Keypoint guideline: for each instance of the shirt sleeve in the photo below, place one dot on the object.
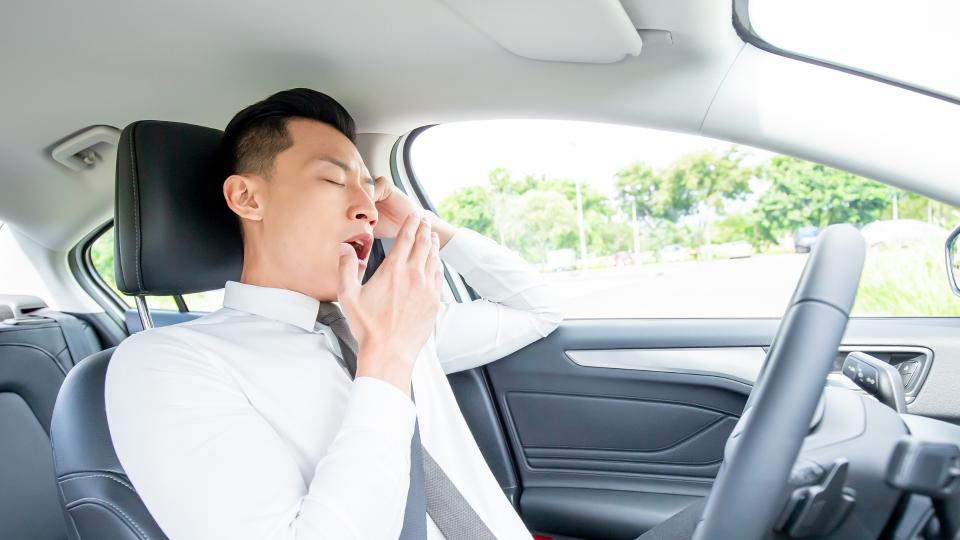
(166, 400)
(516, 307)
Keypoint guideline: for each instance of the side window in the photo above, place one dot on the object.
(18, 274)
(633, 222)
(101, 257)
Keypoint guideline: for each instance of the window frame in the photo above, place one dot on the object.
(401, 169)
(89, 279)
(81, 266)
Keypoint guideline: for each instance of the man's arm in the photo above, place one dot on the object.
(207, 464)
(516, 308)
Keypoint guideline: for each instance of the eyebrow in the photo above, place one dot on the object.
(342, 165)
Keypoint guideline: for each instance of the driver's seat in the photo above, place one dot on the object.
(174, 235)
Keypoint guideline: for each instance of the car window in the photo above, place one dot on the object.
(102, 257)
(836, 32)
(633, 222)
(18, 273)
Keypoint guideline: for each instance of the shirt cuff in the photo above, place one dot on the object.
(378, 405)
(465, 249)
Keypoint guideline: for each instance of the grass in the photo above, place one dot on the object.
(904, 282)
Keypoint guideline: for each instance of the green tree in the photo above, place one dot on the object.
(471, 207)
(644, 194)
(606, 235)
(640, 195)
(803, 193)
(699, 184)
(914, 206)
(601, 228)
(505, 190)
(535, 214)
(501, 181)
(737, 226)
(665, 233)
(703, 183)
(592, 200)
(538, 221)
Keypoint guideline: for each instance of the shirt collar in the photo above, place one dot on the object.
(281, 305)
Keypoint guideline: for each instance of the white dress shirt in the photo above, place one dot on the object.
(243, 425)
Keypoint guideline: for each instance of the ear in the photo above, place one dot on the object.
(244, 195)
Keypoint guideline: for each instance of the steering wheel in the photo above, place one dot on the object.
(750, 490)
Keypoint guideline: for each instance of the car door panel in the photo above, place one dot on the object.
(597, 513)
(472, 391)
(614, 438)
(586, 433)
(614, 425)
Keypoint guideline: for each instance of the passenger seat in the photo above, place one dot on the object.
(38, 346)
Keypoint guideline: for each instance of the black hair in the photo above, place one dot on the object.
(255, 136)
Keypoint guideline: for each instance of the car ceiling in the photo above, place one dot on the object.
(394, 65)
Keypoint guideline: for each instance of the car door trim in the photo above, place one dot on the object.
(741, 364)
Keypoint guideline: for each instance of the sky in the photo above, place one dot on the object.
(450, 156)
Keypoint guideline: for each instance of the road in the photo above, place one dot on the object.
(758, 286)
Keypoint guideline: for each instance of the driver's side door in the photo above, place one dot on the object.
(607, 427)
(618, 419)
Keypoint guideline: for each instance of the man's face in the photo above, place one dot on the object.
(319, 195)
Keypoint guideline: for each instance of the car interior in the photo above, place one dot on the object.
(815, 424)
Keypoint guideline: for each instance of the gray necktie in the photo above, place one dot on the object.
(431, 491)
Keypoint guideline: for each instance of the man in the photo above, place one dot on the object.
(257, 421)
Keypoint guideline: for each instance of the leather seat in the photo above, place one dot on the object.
(175, 235)
(38, 347)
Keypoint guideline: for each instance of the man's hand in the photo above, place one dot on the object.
(393, 206)
(393, 314)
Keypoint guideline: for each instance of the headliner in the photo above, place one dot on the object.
(394, 65)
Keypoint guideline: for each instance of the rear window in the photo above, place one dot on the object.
(102, 258)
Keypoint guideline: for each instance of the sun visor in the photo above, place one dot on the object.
(595, 31)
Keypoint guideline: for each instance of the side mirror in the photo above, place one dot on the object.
(953, 261)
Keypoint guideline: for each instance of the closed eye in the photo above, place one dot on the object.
(334, 182)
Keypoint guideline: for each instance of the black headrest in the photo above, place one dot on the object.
(174, 232)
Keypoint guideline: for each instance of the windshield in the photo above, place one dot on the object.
(914, 43)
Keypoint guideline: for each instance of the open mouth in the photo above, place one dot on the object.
(362, 244)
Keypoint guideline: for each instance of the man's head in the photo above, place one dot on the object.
(300, 189)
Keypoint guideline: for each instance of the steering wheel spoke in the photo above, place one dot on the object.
(751, 490)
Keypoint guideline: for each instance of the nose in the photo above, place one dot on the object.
(362, 207)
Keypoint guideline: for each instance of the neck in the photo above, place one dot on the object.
(257, 270)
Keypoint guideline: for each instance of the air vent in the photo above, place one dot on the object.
(85, 149)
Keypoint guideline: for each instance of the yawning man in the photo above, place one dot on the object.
(285, 415)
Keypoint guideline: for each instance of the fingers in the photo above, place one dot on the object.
(435, 256)
(381, 188)
(422, 245)
(400, 250)
(349, 273)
